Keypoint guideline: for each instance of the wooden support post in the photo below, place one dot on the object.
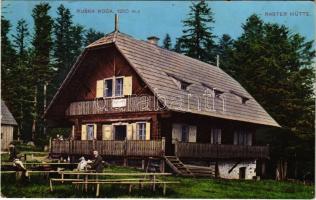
(86, 184)
(162, 166)
(154, 185)
(50, 145)
(98, 190)
(62, 177)
(143, 164)
(163, 146)
(164, 188)
(125, 152)
(130, 188)
(51, 185)
(176, 148)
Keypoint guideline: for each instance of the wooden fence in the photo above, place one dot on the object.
(125, 148)
(101, 106)
(221, 151)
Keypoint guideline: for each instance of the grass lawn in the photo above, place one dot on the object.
(188, 188)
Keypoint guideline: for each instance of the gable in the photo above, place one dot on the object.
(80, 84)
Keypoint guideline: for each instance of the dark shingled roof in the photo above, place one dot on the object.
(155, 64)
(6, 116)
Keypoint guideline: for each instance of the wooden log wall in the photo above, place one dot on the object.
(222, 151)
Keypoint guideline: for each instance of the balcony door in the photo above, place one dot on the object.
(119, 132)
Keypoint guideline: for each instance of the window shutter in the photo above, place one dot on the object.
(176, 132)
(192, 134)
(129, 133)
(107, 132)
(249, 139)
(235, 138)
(135, 134)
(100, 88)
(95, 131)
(83, 132)
(147, 131)
(212, 136)
(219, 135)
(127, 85)
(73, 132)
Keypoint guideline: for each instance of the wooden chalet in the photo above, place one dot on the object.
(131, 98)
(8, 124)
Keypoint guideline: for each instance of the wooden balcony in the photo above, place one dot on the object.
(220, 151)
(102, 106)
(125, 148)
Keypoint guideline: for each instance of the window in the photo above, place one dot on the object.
(113, 87)
(242, 138)
(119, 87)
(185, 133)
(216, 136)
(90, 131)
(141, 131)
(108, 87)
(241, 97)
(216, 91)
(183, 85)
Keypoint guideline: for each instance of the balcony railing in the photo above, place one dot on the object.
(221, 151)
(156, 148)
(101, 106)
(126, 148)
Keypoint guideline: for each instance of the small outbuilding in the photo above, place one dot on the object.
(7, 126)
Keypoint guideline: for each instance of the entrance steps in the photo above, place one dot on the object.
(177, 166)
(189, 170)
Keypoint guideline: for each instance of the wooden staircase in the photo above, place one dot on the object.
(177, 166)
(201, 170)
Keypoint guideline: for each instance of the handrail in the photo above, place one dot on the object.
(155, 148)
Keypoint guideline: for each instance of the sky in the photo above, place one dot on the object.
(141, 19)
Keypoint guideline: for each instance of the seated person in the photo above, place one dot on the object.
(82, 165)
(97, 165)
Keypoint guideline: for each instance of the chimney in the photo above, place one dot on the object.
(153, 40)
(116, 23)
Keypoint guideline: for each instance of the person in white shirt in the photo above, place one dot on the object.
(82, 164)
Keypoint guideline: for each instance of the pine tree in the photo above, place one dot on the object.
(20, 39)
(77, 37)
(224, 50)
(91, 36)
(7, 62)
(198, 39)
(42, 68)
(167, 42)
(62, 44)
(275, 66)
(23, 79)
(177, 47)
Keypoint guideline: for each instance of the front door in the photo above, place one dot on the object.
(242, 172)
(119, 132)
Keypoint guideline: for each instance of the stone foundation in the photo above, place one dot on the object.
(225, 166)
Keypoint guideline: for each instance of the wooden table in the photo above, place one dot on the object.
(152, 180)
